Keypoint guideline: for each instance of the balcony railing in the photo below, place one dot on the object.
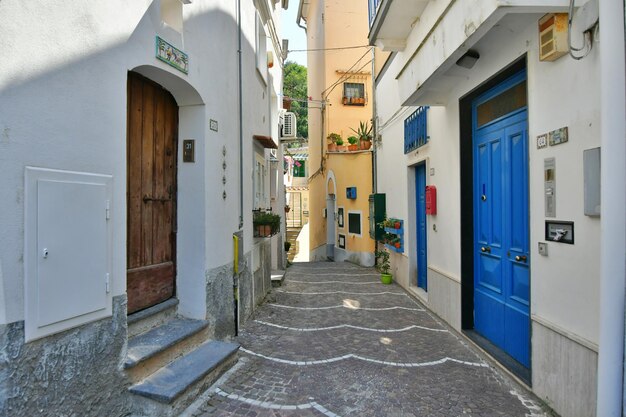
(416, 129)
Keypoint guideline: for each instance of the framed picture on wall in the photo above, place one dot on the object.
(340, 216)
(342, 241)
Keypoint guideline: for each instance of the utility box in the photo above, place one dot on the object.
(377, 215)
(553, 36)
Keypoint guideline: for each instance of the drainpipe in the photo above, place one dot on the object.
(374, 124)
(239, 53)
(613, 206)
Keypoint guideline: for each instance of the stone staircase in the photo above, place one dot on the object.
(170, 360)
(292, 235)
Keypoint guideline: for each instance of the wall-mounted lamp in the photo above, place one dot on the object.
(468, 60)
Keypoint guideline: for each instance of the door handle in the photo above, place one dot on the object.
(485, 249)
(521, 258)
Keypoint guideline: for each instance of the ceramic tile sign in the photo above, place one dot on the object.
(558, 136)
(172, 55)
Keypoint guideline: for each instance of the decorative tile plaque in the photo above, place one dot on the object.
(171, 55)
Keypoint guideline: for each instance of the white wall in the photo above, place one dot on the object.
(63, 106)
(564, 285)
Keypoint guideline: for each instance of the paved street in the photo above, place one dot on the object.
(334, 341)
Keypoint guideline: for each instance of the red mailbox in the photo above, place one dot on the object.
(431, 199)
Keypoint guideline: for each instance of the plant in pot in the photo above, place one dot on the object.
(353, 143)
(340, 146)
(383, 266)
(332, 141)
(287, 246)
(265, 224)
(364, 133)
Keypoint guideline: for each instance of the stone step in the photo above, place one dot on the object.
(155, 348)
(152, 317)
(278, 275)
(171, 389)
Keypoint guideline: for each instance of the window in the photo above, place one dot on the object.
(354, 223)
(354, 94)
(415, 129)
(299, 171)
(261, 48)
(260, 197)
(172, 14)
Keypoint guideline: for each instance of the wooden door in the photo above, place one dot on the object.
(151, 193)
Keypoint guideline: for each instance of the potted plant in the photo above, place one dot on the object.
(383, 266)
(287, 246)
(344, 100)
(364, 133)
(353, 143)
(396, 224)
(332, 141)
(265, 224)
(287, 209)
(340, 146)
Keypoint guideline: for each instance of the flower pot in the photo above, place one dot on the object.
(397, 245)
(342, 148)
(332, 147)
(396, 225)
(353, 148)
(267, 230)
(345, 100)
(365, 144)
(287, 208)
(386, 279)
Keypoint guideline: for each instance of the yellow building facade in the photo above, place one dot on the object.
(340, 87)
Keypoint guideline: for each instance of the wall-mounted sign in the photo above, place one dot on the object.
(189, 150)
(171, 55)
(542, 141)
(213, 125)
(558, 136)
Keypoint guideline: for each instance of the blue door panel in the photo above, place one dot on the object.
(490, 277)
(420, 196)
(487, 306)
(517, 335)
(501, 230)
(495, 195)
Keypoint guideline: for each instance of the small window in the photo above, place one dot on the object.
(172, 14)
(261, 48)
(354, 223)
(354, 94)
(299, 171)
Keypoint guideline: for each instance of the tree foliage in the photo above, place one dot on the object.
(295, 87)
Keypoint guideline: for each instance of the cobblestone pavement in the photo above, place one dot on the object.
(334, 341)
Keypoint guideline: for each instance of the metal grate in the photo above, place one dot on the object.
(415, 129)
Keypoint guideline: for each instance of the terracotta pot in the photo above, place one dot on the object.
(353, 148)
(345, 100)
(267, 230)
(397, 245)
(332, 147)
(342, 148)
(396, 225)
(365, 144)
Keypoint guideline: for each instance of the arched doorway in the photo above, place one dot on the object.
(152, 138)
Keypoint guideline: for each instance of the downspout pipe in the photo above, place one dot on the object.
(374, 124)
(240, 71)
(610, 401)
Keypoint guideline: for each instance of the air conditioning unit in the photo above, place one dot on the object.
(289, 126)
(553, 36)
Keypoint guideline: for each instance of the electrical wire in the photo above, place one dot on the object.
(347, 73)
(339, 48)
(588, 41)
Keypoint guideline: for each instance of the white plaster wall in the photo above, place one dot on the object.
(564, 286)
(63, 105)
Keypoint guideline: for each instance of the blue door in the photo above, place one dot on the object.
(501, 230)
(420, 197)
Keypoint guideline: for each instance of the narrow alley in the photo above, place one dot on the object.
(334, 341)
